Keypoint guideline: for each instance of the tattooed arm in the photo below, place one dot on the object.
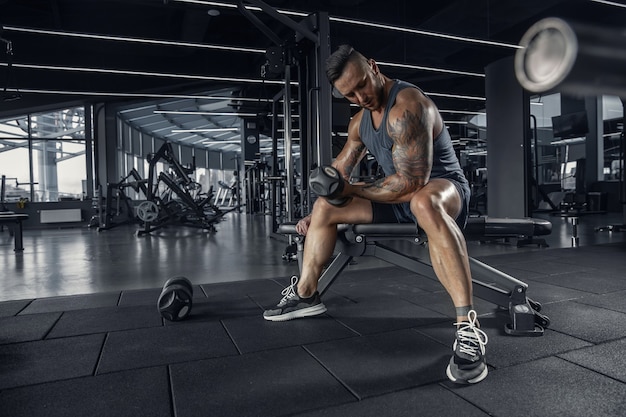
(411, 124)
(353, 151)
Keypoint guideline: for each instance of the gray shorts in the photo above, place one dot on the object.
(401, 213)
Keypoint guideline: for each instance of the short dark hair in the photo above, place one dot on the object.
(337, 61)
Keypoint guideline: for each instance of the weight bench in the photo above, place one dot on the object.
(15, 219)
(490, 284)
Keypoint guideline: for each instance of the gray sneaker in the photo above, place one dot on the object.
(468, 365)
(292, 306)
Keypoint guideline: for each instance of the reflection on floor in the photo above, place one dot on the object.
(380, 350)
(81, 260)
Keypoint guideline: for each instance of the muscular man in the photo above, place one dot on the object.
(423, 183)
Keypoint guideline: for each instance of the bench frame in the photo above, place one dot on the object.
(16, 220)
(489, 283)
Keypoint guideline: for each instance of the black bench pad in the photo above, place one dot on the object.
(477, 228)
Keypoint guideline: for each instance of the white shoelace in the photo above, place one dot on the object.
(471, 337)
(290, 291)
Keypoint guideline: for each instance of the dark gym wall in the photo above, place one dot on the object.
(508, 139)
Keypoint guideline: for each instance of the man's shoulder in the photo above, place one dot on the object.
(410, 99)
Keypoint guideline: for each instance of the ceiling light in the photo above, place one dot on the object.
(137, 95)
(422, 32)
(364, 23)
(132, 40)
(610, 3)
(206, 113)
(456, 96)
(207, 130)
(462, 112)
(209, 142)
(419, 67)
(147, 73)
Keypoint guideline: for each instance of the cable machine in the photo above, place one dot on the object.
(299, 60)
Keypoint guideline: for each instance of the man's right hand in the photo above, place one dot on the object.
(303, 225)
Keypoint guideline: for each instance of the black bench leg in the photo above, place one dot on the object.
(525, 317)
(19, 244)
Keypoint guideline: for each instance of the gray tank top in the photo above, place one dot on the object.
(378, 142)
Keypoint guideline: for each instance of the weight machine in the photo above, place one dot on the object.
(175, 198)
(302, 57)
(116, 209)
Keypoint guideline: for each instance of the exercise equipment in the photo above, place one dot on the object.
(116, 208)
(174, 198)
(573, 58)
(490, 284)
(176, 299)
(326, 182)
(576, 59)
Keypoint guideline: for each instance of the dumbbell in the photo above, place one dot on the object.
(326, 182)
(176, 299)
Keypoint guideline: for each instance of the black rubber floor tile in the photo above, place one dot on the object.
(428, 401)
(216, 309)
(377, 364)
(422, 282)
(549, 387)
(151, 296)
(593, 281)
(382, 314)
(350, 275)
(506, 350)
(101, 320)
(11, 308)
(442, 303)
(239, 288)
(612, 301)
(521, 274)
(543, 292)
(164, 345)
(516, 257)
(252, 334)
(590, 323)
(384, 286)
(140, 297)
(599, 260)
(272, 383)
(550, 267)
(606, 358)
(48, 360)
(72, 302)
(26, 328)
(125, 394)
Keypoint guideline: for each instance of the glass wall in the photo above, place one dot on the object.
(43, 156)
(613, 127)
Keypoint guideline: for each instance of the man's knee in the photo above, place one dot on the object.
(427, 208)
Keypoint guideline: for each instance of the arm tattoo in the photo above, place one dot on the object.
(411, 153)
(353, 158)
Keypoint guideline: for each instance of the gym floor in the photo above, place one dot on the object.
(80, 334)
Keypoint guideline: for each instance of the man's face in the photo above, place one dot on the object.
(360, 85)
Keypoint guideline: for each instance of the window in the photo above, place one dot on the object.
(613, 124)
(48, 162)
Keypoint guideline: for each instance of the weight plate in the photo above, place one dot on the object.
(147, 211)
(179, 280)
(175, 302)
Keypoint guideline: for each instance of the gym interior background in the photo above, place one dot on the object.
(147, 139)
